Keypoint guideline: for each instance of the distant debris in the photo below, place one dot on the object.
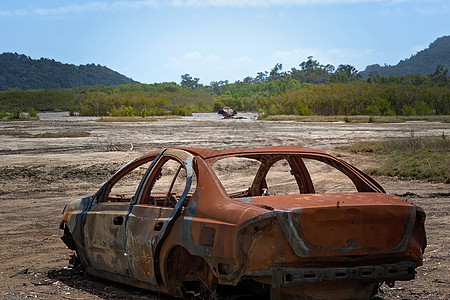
(227, 112)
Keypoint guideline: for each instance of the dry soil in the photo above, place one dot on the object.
(38, 176)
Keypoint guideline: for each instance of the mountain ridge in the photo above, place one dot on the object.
(423, 62)
(23, 72)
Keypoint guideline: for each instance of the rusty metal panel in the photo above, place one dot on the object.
(144, 223)
(281, 245)
(104, 238)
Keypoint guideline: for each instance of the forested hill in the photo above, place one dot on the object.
(424, 62)
(23, 72)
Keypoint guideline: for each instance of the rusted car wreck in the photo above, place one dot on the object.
(195, 222)
(227, 112)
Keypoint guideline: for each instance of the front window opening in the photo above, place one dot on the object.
(327, 179)
(236, 174)
(280, 180)
(124, 189)
(170, 184)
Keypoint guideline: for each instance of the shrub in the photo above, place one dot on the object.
(15, 114)
(127, 111)
(380, 107)
(218, 105)
(115, 112)
(422, 109)
(408, 110)
(301, 109)
(158, 112)
(32, 113)
(180, 111)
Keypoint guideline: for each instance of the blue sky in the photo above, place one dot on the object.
(158, 41)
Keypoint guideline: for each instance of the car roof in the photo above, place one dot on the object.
(211, 153)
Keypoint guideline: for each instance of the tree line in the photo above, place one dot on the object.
(359, 98)
(312, 88)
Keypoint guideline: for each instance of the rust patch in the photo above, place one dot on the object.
(201, 240)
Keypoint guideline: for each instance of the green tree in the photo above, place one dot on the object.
(276, 73)
(310, 65)
(261, 77)
(188, 81)
(348, 70)
(408, 110)
(439, 77)
(345, 73)
(380, 107)
(422, 109)
(311, 71)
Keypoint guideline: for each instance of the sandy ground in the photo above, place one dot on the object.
(39, 176)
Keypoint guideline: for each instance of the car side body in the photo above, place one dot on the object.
(196, 237)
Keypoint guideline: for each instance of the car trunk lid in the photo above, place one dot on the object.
(343, 224)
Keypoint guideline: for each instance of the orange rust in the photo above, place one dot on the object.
(286, 244)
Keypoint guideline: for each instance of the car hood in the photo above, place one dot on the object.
(342, 223)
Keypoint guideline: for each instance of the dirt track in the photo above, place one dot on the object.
(39, 176)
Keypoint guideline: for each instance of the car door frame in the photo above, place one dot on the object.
(186, 159)
(104, 226)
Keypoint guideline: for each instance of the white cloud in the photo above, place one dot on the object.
(62, 10)
(103, 6)
(193, 60)
(193, 56)
(435, 10)
(134, 4)
(265, 3)
(95, 6)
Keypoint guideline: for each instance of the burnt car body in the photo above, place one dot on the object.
(227, 112)
(176, 228)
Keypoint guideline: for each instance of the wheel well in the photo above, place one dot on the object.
(183, 269)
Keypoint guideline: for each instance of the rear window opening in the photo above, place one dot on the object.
(280, 180)
(327, 179)
(279, 175)
(236, 174)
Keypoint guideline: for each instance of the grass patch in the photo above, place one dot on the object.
(18, 134)
(408, 158)
(63, 134)
(311, 118)
(356, 119)
(136, 119)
